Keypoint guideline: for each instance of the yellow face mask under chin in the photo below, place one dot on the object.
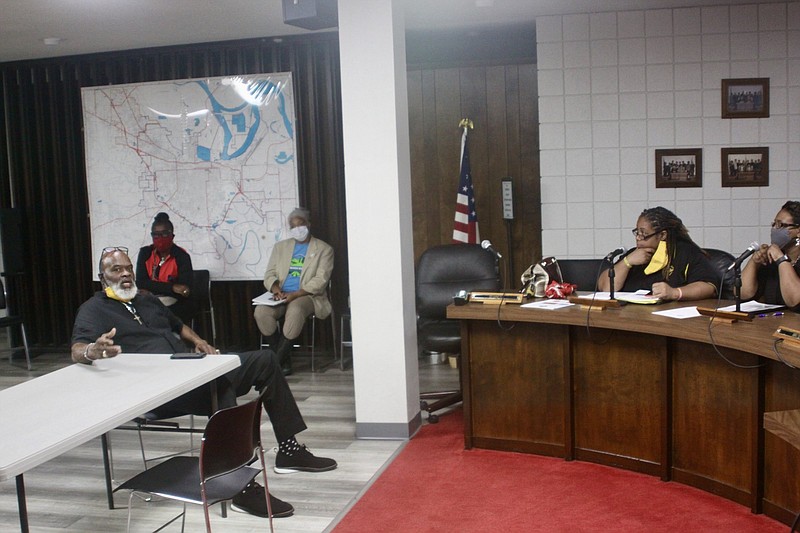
(113, 295)
(659, 259)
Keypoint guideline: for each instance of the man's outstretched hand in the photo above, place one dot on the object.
(104, 346)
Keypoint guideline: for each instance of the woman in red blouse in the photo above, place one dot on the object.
(165, 270)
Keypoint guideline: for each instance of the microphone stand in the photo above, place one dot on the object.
(737, 287)
(611, 274)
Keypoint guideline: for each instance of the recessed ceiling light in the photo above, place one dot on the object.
(52, 41)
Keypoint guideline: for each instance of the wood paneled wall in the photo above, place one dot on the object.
(501, 101)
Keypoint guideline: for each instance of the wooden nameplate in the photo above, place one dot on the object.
(599, 305)
(790, 337)
(496, 298)
(726, 317)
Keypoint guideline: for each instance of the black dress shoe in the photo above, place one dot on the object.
(251, 500)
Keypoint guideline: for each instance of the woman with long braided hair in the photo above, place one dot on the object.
(665, 261)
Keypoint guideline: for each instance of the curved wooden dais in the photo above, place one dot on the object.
(683, 400)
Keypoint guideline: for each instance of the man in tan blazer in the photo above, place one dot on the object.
(298, 274)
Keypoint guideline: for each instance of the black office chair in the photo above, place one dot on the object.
(721, 260)
(11, 321)
(231, 442)
(580, 272)
(443, 271)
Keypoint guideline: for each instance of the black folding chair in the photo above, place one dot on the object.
(231, 442)
(11, 321)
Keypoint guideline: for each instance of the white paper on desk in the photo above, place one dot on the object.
(680, 312)
(553, 303)
(641, 296)
(752, 307)
(267, 299)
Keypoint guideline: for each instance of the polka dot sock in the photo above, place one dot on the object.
(289, 446)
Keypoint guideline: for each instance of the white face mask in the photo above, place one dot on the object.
(299, 233)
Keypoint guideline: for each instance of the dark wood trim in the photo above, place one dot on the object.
(666, 413)
(466, 387)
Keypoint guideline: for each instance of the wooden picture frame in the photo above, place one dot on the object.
(745, 98)
(679, 167)
(745, 167)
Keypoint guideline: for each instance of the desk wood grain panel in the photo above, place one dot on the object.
(522, 370)
(619, 388)
(781, 459)
(715, 421)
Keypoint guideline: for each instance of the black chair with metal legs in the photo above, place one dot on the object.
(162, 421)
(157, 421)
(443, 271)
(345, 334)
(201, 292)
(264, 342)
(11, 321)
(231, 442)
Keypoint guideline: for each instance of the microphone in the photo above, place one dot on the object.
(486, 245)
(611, 255)
(754, 246)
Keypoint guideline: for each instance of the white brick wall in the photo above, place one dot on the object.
(614, 87)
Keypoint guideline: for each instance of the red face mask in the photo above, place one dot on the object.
(163, 244)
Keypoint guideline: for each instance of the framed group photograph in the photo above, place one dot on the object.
(679, 167)
(745, 98)
(745, 167)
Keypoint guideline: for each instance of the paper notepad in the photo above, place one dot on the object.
(548, 304)
(267, 299)
(642, 296)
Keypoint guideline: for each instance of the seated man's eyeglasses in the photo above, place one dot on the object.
(166, 233)
(641, 236)
(112, 249)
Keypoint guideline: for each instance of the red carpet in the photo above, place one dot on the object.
(436, 485)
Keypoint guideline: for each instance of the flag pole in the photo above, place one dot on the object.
(467, 125)
(465, 228)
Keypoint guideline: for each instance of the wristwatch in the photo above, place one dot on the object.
(781, 259)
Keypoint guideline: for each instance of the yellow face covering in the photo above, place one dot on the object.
(113, 295)
(659, 259)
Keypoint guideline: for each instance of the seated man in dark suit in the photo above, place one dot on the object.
(118, 319)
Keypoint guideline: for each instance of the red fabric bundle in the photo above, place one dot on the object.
(558, 290)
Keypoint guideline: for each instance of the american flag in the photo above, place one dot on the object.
(465, 228)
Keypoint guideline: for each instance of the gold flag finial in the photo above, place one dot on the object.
(466, 123)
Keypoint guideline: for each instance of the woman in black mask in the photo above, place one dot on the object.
(165, 270)
(772, 275)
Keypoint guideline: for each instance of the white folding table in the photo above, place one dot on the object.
(47, 416)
